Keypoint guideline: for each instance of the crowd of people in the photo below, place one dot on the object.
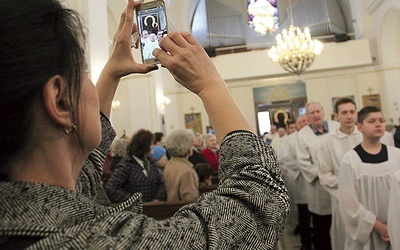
(339, 174)
(171, 169)
(150, 40)
(334, 211)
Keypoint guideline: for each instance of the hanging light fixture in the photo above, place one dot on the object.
(262, 16)
(295, 51)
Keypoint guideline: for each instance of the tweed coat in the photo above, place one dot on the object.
(247, 211)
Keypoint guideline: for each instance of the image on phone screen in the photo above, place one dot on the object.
(152, 24)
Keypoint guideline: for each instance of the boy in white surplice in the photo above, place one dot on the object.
(364, 184)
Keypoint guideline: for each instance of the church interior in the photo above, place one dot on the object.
(360, 59)
(305, 56)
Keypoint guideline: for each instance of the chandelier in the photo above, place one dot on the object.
(295, 51)
(262, 16)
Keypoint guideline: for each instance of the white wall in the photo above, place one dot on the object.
(257, 64)
(244, 71)
(320, 86)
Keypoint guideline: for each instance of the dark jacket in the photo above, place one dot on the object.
(128, 178)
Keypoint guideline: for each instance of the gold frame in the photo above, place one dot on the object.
(193, 121)
(372, 100)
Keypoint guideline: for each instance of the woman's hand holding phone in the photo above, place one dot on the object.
(188, 62)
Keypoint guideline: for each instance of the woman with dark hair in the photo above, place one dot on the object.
(55, 135)
(159, 139)
(136, 172)
(204, 171)
(141, 144)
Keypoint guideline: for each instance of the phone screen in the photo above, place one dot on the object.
(152, 25)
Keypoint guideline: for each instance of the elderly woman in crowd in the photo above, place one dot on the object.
(211, 151)
(181, 180)
(118, 150)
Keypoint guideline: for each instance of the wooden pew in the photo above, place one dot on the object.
(160, 210)
(205, 189)
(163, 209)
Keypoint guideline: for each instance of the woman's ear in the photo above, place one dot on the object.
(56, 101)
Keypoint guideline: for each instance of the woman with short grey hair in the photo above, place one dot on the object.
(180, 178)
(179, 142)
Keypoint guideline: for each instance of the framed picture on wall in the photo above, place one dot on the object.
(371, 100)
(193, 121)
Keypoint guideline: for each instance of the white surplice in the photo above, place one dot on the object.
(330, 156)
(364, 196)
(296, 181)
(277, 141)
(284, 157)
(394, 212)
(318, 199)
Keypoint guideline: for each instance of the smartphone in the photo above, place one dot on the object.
(152, 26)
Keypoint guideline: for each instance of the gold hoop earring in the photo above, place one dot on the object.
(71, 131)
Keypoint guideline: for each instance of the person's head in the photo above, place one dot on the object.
(141, 144)
(159, 156)
(204, 171)
(153, 37)
(346, 114)
(211, 141)
(145, 33)
(45, 94)
(281, 132)
(302, 121)
(315, 113)
(371, 122)
(119, 146)
(179, 143)
(159, 139)
(198, 140)
(272, 130)
(291, 127)
(160, 34)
